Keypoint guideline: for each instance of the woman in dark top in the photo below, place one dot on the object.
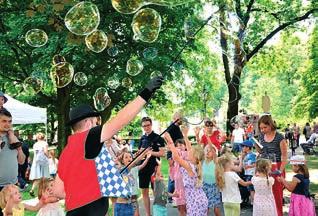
(274, 148)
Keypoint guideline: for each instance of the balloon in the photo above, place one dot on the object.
(58, 59)
(36, 37)
(62, 74)
(82, 19)
(80, 79)
(134, 67)
(150, 53)
(101, 99)
(33, 85)
(96, 41)
(127, 6)
(112, 51)
(146, 25)
(126, 82)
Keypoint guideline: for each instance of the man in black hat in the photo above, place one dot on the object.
(78, 179)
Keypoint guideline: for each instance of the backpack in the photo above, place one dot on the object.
(41, 158)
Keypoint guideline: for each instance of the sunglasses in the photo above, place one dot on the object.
(209, 125)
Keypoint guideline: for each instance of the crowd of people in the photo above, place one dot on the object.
(203, 177)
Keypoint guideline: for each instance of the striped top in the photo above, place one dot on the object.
(272, 148)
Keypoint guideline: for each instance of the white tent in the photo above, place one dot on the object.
(24, 113)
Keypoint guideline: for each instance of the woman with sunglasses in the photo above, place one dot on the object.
(211, 135)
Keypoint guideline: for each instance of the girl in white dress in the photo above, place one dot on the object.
(264, 202)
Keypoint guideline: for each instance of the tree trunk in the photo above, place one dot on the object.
(63, 108)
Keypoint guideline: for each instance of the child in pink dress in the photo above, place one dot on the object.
(264, 202)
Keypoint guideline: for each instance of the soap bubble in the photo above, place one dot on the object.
(177, 66)
(101, 99)
(92, 66)
(150, 53)
(126, 82)
(113, 82)
(58, 59)
(82, 19)
(127, 6)
(134, 67)
(146, 25)
(36, 37)
(96, 41)
(32, 85)
(155, 74)
(80, 79)
(62, 74)
(112, 51)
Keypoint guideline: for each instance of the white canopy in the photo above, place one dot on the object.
(24, 113)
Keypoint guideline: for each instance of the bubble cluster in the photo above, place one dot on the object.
(80, 79)
(57, 59)
(96, 41)
(36, 37)
(83, 18)
(112, 51)
(146, 25)
(101, 99)
(134, 67)
(113, 82)
(155, 74)
(126, 82)
(33, 85)
(62, 74)
(150, 53)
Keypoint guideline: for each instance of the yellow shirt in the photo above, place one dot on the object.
(19, 211)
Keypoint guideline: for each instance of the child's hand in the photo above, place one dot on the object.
(197, 130)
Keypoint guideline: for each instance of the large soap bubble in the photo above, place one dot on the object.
(127, 6)
(134, 67)
(32, 85)
(36, 37)
(62, 74)
(101, 99)
(146, 25)
(126, 82)
(80, 79)
(96, 41)
(82, 19)
(150, 53)
(113, 82)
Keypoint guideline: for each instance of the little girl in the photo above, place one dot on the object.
(53, 162)
(209, 185)
(191, 169)
(264, 202)
(51, 206)
(10, 202)
(227, 180)
(300, 202)
(129, 206)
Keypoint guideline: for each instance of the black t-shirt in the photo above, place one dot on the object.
(175, 133)
(155, 141)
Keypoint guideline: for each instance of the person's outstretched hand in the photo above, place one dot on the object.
(154, 83)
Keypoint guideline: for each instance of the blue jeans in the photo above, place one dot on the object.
(124, 209)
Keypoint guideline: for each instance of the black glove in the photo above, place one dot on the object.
(15, 145)
(151, 87)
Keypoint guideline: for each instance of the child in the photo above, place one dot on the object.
(50, 202)
(227, 181)
(160, 195)
(178, 194)
(191, 169)
(53, 162)
(249, 161)
(129, 206)
(209, 186)
(264, 202)
(10, 202)
(300, 202)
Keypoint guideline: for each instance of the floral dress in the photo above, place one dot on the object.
(196, 200)
(264, 202)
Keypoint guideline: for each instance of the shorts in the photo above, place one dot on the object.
(213, 194)
(96, 208)
(144, 180)
(249, 178)
(159, 210)
(124, 209)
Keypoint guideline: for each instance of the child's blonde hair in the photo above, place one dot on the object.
(43, 186)
(5, 194)
(263, 166)
(219, 171)
(198, 154)
(52, 155)
(209, 147)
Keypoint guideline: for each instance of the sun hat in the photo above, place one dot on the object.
(297, 159)
(81, 112)
(2, 95)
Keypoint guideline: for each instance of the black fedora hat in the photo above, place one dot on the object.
(2, 95)
(81, 112)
